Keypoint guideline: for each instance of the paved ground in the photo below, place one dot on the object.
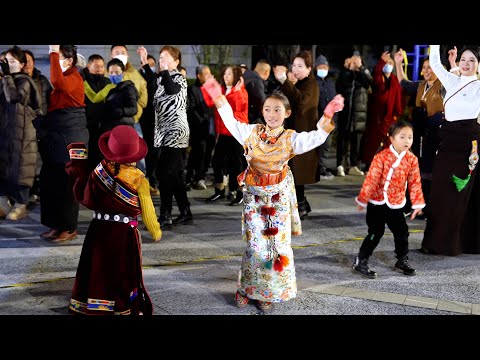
(194, 269)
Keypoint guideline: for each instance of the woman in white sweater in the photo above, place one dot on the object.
(452, 221)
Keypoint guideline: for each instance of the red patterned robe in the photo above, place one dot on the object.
(109, 277)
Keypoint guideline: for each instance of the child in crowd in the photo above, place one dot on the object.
(270, 211)
(383, 194)
(109, 276)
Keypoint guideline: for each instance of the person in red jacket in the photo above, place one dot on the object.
(228, 153)
(383, 194)
(64, 123)
(384, 108)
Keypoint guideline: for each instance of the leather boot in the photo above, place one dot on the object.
(238, 199)
(185, 216)
(303, 208)
(404, 267)
(165, 219)
(361, 266)
(219, 194)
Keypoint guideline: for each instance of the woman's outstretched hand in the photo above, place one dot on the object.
(213, 88)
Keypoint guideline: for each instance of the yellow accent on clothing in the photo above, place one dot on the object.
(268, 158)
(149, 216)
(99, 96)
(129, 174)
(135, 179)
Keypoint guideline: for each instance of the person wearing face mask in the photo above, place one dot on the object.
(121, 101)
(326, 87)
(64, 123)
(96, 87)
(20, 104)
(385, 106)
(130, 73)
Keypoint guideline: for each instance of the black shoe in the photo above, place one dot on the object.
(238, 199)
(361, 266)
(219, 194)
(304, 208)
(402, 266)
(185, 217)
(165, 220)
(302, 213)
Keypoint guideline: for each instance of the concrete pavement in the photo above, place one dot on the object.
(194, 269)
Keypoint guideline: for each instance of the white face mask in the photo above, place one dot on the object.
(387, 69)
(61, 65)
(322, 73)
(122, 58)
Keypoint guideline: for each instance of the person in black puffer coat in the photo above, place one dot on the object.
(121, 101)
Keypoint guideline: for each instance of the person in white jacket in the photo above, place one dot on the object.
(453, 215)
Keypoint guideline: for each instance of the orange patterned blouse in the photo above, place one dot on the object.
(387, 179)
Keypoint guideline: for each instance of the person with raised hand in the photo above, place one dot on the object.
(64, 123)
(454, 215)
(270, 211)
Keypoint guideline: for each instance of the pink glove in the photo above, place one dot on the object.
(335, 105)
(213, 88)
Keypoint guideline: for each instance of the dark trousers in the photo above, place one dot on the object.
(171, 175)
(147, 122)
(322, 153)
(453, 217)
(20, 193)
(151, 160)
(196, 168)
(300, 192)
(228, 155)
(209, 151)
(377, 217)
(58, 207)
(344, 139)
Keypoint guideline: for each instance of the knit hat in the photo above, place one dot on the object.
(321, 60)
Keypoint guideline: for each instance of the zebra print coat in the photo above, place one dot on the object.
(170, 103)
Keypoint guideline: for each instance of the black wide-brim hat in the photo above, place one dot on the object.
(122, 145)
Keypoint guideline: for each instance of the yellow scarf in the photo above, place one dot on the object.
(97, 97)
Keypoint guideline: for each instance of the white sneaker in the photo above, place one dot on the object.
(18, 212)
(340, 171)
(200, 185)
(327, 176)
(354, 170)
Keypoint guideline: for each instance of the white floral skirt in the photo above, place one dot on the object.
(270, 217)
